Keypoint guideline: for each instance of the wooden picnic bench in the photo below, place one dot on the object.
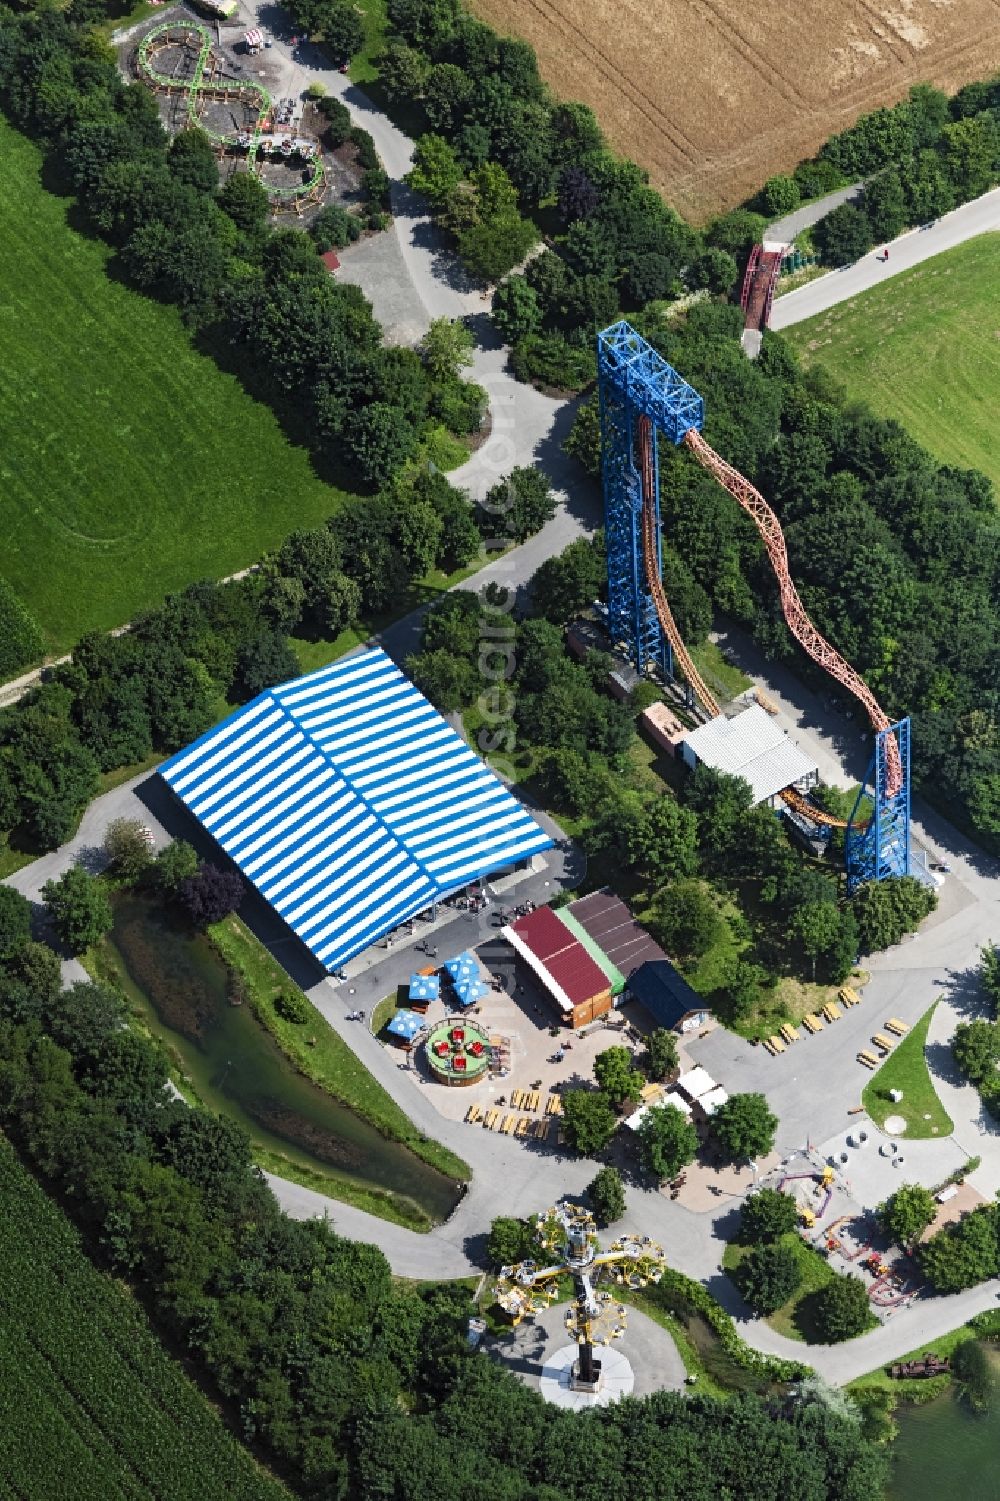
(832, 1011)
(812, 1023)
(868, 1059)
(789, 1033)
(490, 1119)
(895, 1025)
(849, 997)
(473, 1114)
(881, 1041)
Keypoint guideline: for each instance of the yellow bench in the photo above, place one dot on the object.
(812, 1022)
(849, 997)
(881, 1041)
(490, 1119)
(521, 1129)
(553, 1105)
(765, 1042)
(541, 1130)
(789, 1033)
(473, 1114)
(531, 1103)
(509, 1122)
(895, 1025)
(868, 1059)
(832, 1011)
(776, 1043)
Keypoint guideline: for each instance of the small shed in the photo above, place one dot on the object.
(662, 726)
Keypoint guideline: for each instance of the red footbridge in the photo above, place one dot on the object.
(759, 282)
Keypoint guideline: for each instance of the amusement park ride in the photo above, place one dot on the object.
(595, 1317)
(641, 399)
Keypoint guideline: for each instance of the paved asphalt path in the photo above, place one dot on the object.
(975, 218)
(783, 231)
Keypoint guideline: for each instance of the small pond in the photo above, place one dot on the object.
(177, 981)
(945, 1449)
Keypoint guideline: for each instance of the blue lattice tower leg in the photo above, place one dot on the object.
(881, 847)
(634, 382)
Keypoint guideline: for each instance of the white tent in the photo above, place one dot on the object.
(696, 1082)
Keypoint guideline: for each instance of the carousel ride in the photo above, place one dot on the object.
(596, 1316)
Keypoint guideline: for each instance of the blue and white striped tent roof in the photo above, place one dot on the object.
(349, 803)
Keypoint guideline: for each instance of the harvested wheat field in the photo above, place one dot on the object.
(714, 96)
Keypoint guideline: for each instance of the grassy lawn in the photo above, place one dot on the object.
(363, 67)
(923, 348)
(796, 1318)
(131, 463)
(727, 680)
(319, 1053)
(906, 1069)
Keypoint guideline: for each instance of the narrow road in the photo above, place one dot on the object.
(976, 218)
(783, 231)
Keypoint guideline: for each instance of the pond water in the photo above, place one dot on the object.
(179, 984)
(944, 1449)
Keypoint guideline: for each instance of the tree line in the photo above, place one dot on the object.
(920, 158)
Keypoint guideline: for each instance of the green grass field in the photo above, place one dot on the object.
(906, 1069)
(924, 348)
(91, 1405)
(130, 464)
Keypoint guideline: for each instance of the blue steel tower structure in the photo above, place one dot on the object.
(636, 383)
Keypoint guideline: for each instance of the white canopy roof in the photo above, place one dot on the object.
(751, 746)
(672, 1098)
(710, 1102)
(696, 1082)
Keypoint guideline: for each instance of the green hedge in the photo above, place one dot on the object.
(682, 1294)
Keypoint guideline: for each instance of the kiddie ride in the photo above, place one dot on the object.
(822, 1183)
(641, 399)
(595, 1317)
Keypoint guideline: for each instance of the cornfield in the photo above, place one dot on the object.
(91, 1405)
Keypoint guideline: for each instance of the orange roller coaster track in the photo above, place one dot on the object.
(816, 646)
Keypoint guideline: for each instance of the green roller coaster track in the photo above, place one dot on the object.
(253, 95)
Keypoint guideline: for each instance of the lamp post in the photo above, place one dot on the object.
(595, 1317)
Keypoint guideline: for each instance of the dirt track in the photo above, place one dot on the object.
(713, 96)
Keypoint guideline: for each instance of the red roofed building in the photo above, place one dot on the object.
(557, 958)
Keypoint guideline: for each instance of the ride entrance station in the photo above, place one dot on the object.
(643, 400)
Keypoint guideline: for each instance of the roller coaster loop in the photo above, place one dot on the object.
(253, 95)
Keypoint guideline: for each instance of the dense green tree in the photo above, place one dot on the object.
(567, 584)
(377, 440)
(174, 863)
(714, 270)
(780, 195)
(906, 1213)
(589, 1122)
(337, 21)
(661, 1056)
(516, 311)
(436, 170)
(449, 682)
(885, 911)
(884, 205)
(79, 908)
(15, 922)
(976, 1049)
(607, 1196)
(128, 848)
(446, 348)
(244, 198)
(619, 1079)
(265, 659)
(333, 227)
(496, 245)
(744, 1126)
(844, 235)
(767, 1215)
(510, 1240)
(963, 1254)
(519, 505)
(841, 1309)
(686, 919)
(769, 1276)
(193, 161)
(667, 1141)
